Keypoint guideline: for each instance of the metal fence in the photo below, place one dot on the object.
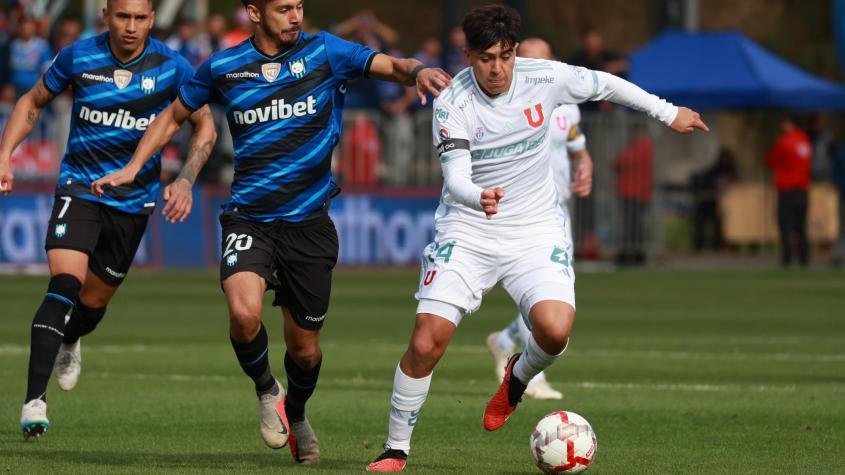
(617, 220)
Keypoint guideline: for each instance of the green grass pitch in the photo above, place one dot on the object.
(714, 372)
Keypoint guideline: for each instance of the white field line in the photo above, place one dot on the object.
(385, 383)
(12, 350)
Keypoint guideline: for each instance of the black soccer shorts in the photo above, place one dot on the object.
(110, 237)
(295, 259)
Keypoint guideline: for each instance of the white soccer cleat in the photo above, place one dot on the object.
(542, 390)
(68, 365)
(34, 421)
(500, 356)
(274, 422)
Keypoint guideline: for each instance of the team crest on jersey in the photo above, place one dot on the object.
(122, 78)
(271, 71)
(479, 133)
(297, 67)
(441, 114)
(232, 259)
(529, 114)
(61, 230)
(443, 134)
(148, 84)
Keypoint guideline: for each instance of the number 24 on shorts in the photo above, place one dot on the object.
(444, 250)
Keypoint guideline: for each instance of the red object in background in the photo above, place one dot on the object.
(360, 153)
(789, 159)
(633, 170)
(36, 160)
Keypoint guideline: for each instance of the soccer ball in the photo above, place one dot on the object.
(563, 442)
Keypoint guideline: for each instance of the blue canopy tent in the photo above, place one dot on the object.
(726, 70)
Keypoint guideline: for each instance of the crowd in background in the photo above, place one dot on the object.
(387, 131)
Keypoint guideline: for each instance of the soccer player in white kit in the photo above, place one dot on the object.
(499, 219)
(568, 145)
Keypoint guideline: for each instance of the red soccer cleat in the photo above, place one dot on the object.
(391, 461)
(499, 408)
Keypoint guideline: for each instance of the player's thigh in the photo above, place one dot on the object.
(458, 272)
(72, 235)
(246, 265)
(120, 237)
(539, 268)
(305, 259)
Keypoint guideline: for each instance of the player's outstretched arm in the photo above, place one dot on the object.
(410, 72)
(163, 128)
(178, 194)
(21, 122)
(615, 89)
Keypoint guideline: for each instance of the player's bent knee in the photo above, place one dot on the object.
(305, 356)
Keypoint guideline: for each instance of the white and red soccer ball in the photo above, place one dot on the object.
(563, 442)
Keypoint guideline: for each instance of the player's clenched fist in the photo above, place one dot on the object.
(490, 200)
(7, 178)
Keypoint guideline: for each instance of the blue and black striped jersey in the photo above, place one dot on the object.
(113, 104)
(284, 113)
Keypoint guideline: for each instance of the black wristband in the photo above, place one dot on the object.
(416, 71)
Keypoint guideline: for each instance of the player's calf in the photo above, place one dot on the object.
(48, 331)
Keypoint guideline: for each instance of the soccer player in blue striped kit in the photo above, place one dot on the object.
(121, 81)
(283, 91)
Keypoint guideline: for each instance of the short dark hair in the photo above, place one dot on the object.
(490, 25)
(257, 3)
(110, 2)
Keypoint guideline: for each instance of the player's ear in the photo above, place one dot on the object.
(152, 19)
(254, 13)
(466, 55)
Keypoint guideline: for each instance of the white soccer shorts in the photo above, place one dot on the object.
(463, 266)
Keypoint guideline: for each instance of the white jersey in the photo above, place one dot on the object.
(565, 138)
(507, 135)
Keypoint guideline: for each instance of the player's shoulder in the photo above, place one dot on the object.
(233, 56)
(458, 91)
(533, 64)
(91, 44)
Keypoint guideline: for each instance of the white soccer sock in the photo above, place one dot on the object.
(408, 397)
(533, 361)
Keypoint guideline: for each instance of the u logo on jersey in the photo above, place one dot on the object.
(122, 78)
(270, 71)
(530, 116)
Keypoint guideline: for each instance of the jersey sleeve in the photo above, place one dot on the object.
(59, 74)
(575, 84)
(197, 92)
(348, 60)
(450, 130)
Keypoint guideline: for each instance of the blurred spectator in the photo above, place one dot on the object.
(184, 41)
(707, 185)
(29, 57)
(789, 159)
(66, 32)
(454, 57)
(99, 27)
(837, 174)
(5, 45)
(214, 37)
(364, 28)
(633, 188)
(243, 29)
(594, 56)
